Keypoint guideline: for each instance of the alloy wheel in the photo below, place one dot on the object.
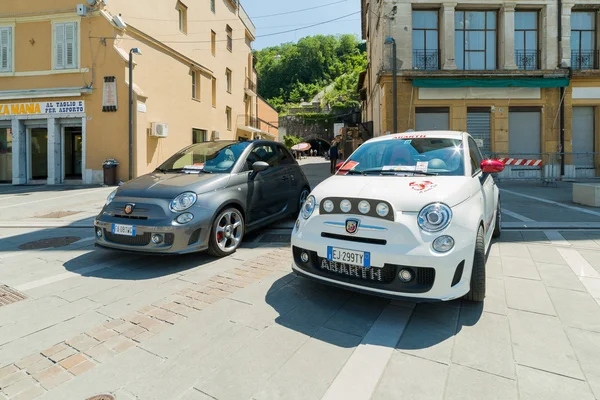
(229, 230)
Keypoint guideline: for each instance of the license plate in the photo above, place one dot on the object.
(124, 230)
(351, 257)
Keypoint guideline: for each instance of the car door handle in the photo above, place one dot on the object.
(284, 178)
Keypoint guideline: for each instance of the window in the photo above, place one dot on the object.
(228, 117)
(264, 152)
(425, 40)
(475, 155)
(526, 40)
(214, 92)
(285, 156)
(199, 135)
(228, 79)
(475, 40)
(212, 5)
(583, 40)
(65, 45)
(217, 157)
(6, 45)
(229, 38)
(213, 43)
(195, 85)
(182, 13)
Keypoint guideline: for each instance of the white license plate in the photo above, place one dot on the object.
(124, 230)
(350, 257)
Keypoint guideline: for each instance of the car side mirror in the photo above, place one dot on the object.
(258, 166)
(492, 166)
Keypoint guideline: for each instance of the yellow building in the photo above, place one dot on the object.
(499, 71)
(64, 84)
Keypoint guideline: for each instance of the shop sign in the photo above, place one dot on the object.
(109, 96)
(43, 108)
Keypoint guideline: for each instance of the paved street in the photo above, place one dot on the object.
(194, 327)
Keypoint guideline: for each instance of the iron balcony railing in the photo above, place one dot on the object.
(527, 59)
(584, 59)
(251, 85)
(248, 120)
(426, 59)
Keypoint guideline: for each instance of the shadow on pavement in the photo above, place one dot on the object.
(27, 190)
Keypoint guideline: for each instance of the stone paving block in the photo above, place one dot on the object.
(166, 316)
(483, 343)
(430, 332)
(134, 331)
(26, 362)
(19, 387)
(195, 394)
(513, 250)
(578, 263)
(357, 315)
(81, 368)
(535, 237)
(102, 334)
(13, 378)
(29, 394)
(320, 359)
(8, 370)
(528, 295)
(55, 349)
(118, 325)
(545, 254)
(252, 365)
(559, 276)
(520, 268)
(82, 342)
(72, 361)
(592, 257)
(493, 268)
(592, 285)
(25, 309)
(57, 357)
(142, 337)
(494, 250)
(466, 383)
(256, 293)
(539, 341)
(587, 347)
(495, 298)
(420, 379)
(576, 309)
(100, 353)
(39, 366)
(535, 384)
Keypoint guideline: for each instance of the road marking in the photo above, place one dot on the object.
(50, 198)
(360, 375)
(517, 216)
(556, 238)
(583, 210)
(578, 264)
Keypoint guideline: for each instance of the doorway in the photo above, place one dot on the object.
(73, 152)
(38, 147)
(5, 155)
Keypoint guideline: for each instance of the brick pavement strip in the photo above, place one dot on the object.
(40, 372)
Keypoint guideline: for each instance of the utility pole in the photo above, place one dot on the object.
(131, 53)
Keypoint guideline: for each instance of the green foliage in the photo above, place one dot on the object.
(290, 73)
(291, 141)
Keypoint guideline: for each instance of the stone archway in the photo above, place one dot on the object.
(321, 145)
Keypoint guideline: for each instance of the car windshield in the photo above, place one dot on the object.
(207, 157)
(427, 156)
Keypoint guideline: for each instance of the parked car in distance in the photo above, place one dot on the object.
(205, 197)
(406, 216)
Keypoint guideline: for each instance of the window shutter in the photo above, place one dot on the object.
(5, 49)
(71, 45)
(59, 46)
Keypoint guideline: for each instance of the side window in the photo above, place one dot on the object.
(286, 157)
(266, 153)
(475, 155)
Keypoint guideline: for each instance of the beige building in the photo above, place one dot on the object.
(521, 77)
(64, 84)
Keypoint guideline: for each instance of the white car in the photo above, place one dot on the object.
(406, 216)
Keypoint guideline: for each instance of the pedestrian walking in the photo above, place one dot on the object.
(333, 157)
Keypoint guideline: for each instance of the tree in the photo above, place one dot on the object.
(291, 141)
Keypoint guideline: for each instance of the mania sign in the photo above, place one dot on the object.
(43, 108)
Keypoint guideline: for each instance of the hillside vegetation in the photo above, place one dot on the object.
(292, 72)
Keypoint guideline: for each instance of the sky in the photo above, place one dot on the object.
(260, 12)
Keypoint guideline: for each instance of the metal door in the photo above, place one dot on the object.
(432, 120)
(524, 132)
(583, 136)
(479, 126)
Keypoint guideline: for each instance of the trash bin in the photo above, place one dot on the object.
(109, 168)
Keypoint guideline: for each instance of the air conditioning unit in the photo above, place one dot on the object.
(81, 10)
(159, 130)
(215, 135)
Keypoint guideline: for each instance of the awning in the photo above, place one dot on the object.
(490, 82)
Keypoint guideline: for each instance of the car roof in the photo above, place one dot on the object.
(422, 134)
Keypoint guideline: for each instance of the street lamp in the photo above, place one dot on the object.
(133, 51)
(392, 41)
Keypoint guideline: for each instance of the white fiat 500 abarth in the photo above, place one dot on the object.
(406, 216)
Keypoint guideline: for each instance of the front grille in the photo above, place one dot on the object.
(123, 216)
(169, 239)
(373, 274)
(425, 276)
(140, 240)
(353, 238)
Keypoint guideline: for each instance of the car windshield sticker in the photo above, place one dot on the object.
(422, 186)
(193, 169)
(421, 166)
(349, 166)
(411, 137)
(399, 168)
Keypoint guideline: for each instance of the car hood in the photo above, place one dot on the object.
(169, 185)
(404, 193)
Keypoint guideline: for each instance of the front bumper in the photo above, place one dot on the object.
(153, 218)
(393, 246)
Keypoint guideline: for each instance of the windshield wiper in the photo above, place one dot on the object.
(423, 173)
(373, 171)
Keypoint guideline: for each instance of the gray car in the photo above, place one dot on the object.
(205, 197)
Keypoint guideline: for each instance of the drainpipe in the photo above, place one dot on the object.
(561, 95)
(392, 41)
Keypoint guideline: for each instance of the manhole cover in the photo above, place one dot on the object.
(58, 214)
(9, 296)
(49, 243)
(275, 238)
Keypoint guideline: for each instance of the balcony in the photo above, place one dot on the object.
(426, 59)
(250, 87)
(252, 127)
(247, 21)
(527, 60)
(584, 59)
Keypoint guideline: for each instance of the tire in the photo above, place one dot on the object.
(498, 228)
(226, 233)
(304, 193)
(477, 292)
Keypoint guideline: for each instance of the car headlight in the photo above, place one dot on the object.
(328, 206)
(345, 206)
(308, 207)
(382, 209)
(183, 201)
(111, 197)
(364, 207)
(434, 217)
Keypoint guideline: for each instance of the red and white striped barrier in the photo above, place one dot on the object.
(522, 162)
